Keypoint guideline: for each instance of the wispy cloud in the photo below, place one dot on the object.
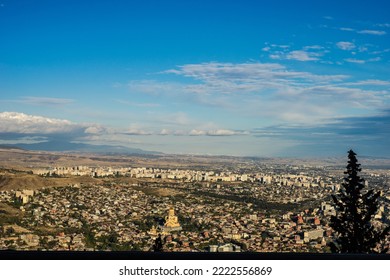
(176, 118)
(275, 56)
(303, 56)
(346, 46)
(354, 60)
(375, 59)
(366, 31)
(247, 76)
(23, 140)
(384, 25)
(43, 101)
(152, 87)
(372, 32)
(370, 83)
(135, 104)
(112, 139)
(217, 132)
(371, 126)
(347, 29)
(95, 129)
(280, 46)
(282, 94)
(313, 47)
(280, 52)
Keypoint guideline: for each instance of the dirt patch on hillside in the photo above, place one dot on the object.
(17, 229)
(8, 210)
(21, 181)
(157, 191)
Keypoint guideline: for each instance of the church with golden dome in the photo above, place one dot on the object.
(171, 222)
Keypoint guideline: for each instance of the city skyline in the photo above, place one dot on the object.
(223, 78)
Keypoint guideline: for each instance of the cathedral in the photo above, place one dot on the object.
(171, 222)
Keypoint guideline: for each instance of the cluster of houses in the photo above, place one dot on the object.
(87, 217)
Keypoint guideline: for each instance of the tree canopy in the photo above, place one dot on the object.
(356, 208)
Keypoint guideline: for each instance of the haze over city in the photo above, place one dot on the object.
(246, 78)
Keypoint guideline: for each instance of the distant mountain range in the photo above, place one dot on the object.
(58, 146)
(10, 147)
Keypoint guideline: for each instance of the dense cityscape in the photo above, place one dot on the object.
(191, 139)
(264, 208)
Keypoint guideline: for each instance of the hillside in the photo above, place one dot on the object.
(19, 181)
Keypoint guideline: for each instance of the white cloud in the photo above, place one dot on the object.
(374, 59)
(222, 132)
(269, 91)
(180, 132)
(211, 132)
(96, 129)
(347, 29)
(366, 31)
(196, 132)
(43, 101)
(313, 47)
(135, 130)
(372, 32)
(165, 131)
(346, 46)
(216, 132)
(245, 87)
(302, 56)
(363, 49)
(381, 52)
(275, 56)
(28, 124)
(280, 46)
(24, 140)
(384, 24)
(353, 60)
(308, 53)
(370, 83)
(247, 76)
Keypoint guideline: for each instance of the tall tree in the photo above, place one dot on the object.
(355, 210)
(158, 244)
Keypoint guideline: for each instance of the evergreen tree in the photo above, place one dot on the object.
(158, 244)
(355, 211)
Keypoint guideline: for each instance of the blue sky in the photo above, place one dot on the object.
(253, 78)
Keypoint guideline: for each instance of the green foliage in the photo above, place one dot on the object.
(258, 204)
(7, 219)
(146, 223)
(90, 240)
(51, 244)
(72, 230)
(10, 231)
(158, 244)
(355, 211)
(17, 203)
(108, 242)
